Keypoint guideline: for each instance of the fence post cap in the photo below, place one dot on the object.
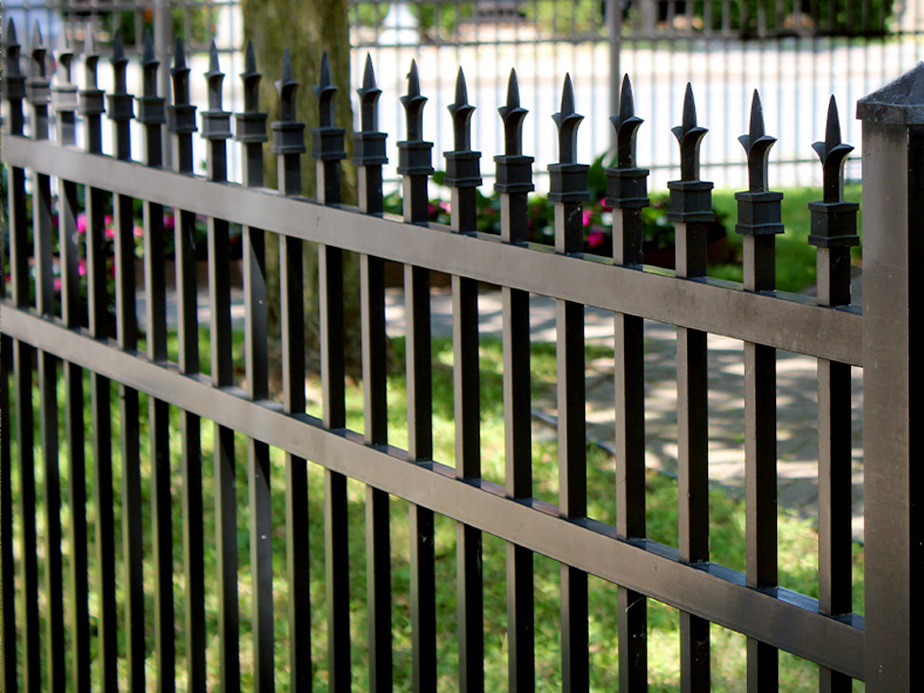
(900, 102)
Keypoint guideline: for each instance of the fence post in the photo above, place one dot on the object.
(893, 299)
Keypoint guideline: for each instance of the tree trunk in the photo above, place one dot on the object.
(308, 28)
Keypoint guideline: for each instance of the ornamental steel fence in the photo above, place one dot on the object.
(74, 348)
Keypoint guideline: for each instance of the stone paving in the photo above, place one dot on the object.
(796, 400)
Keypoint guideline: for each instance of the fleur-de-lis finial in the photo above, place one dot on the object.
(11, 51)
(215, 78)
(91, 59)
(324, 91)
(567, 121)
(461, 112)
(65, 58)
(368, 98)
(37, 50)
(833, 154)
(149, 65)
(251, 79)
(286, 87)
(180, 74)
(512, 115)
(413, 104)
(119, 63)
(626, 124)
(689, 135)
(757, 145)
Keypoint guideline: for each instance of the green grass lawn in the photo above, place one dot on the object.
(797, 542)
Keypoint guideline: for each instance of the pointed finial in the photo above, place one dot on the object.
(368, 98)
(90, 59)
(180, 74)
(37, 49)
(512, 116)
(324, 91)
(626, 124)
(413, 105)
(833, 155)
(11, 51)
(567, 121)
(65, 56)
(9, 34)
(119, 64)
(215, 77)
(689, 135)
(149, 65)
(757, 145)
(461, 112)
(251, 79)
(286, 87)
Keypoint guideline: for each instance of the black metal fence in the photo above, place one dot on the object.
(71, 342)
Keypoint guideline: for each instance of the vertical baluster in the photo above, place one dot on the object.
(39, 96)
(568, 190)
(151, 114)
(691, 210)
(514, 181)
(121, 111)
(181, 121)
(758, 222)
(463, 178)
(369, 148)
(100, 399)
(65, 99)
(327, 150)
(216, 129)
(834, 232)
(7, 571)
(414, 165)
(14, 91)
(251, 131)
(627, 194)
(288, 144)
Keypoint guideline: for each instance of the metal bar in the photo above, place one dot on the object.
(423, 598)
(572, 460)
(462, 176)
(182, 125)
(151, 115)
(7, 567)
(518, 473)
(336, 555)
(629, 373)
(709, 591)
(226, 554)
(784, 321)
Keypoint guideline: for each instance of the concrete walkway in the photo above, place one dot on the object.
(796, 400)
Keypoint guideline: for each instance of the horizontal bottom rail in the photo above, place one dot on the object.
(779, 617)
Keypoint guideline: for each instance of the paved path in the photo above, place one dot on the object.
(797, 400)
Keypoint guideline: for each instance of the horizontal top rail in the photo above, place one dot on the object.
(785, 321)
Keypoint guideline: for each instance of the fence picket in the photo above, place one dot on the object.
(514, 181)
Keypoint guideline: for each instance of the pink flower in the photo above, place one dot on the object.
(588, 217)
(606, 207)
(138, 232)
(82, 267)
(109, 233)
(431, 209)
(57, 283)
(82, 222)
(168, 222)
(595, 238)
(107, 220)
(446, 207)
